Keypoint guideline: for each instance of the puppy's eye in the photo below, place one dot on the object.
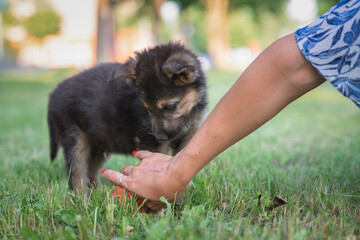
(170, 106)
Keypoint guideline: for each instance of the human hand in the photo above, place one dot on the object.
(155, 176)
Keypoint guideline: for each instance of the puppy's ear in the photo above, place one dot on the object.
(181, 68)
(126, 72)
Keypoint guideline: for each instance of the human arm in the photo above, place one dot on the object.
(278, 76)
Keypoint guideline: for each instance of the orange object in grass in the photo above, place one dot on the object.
(121, 193)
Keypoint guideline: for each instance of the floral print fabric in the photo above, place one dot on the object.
(332, 45)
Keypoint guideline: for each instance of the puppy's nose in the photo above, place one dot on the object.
(162, 137)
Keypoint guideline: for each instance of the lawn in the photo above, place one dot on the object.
(309, 154)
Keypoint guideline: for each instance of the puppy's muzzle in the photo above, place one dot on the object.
(162, 135)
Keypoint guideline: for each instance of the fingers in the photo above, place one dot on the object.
(115, 177)
(128, 170)
(154, 206)
(130, 180)
(143, 154)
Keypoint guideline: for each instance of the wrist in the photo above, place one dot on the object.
(183, 167)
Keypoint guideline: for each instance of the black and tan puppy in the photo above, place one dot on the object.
(154, 101)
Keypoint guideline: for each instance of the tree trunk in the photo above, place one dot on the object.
(157, 18)
(105, 45)
(217, 30)
(1, 38)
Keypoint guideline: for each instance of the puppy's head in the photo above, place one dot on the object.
(170, 83)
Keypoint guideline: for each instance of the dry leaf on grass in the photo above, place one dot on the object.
(277, 202)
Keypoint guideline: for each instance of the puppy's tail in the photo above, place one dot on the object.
(54, 145)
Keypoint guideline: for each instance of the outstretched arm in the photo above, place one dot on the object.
(278, 76)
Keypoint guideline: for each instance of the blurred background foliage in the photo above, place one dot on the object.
(324, 5)
(38, 21)
(247, 19)
(42, 23)
(214, 26)
(210, 27)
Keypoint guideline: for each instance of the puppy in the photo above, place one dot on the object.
(154, 101)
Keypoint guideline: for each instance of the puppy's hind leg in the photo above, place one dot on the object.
(96, 162)
(77, 154)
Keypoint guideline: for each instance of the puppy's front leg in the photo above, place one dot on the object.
(96, 161)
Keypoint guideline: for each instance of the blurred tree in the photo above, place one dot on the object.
(217, 30)
(324, 5)
(156, 4)
(38, 22)
(105, 35)
(145, 9)
(258, 6)
(43, 22)
(192, 22)
(219, 27)
(3, 6)
(243, 28)
(216, 25)
(128, 13)
(9, 19)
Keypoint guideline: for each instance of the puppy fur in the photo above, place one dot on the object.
(154, 101)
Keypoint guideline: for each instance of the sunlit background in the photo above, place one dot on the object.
(49, 34)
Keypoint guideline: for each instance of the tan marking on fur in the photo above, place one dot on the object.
(187, 103)
(160, 103)
(164, 148)
(79, 166)
(189, 75)
(182, 56)
(167, 123)
(186, 79)
(145, 104)
(95, 164)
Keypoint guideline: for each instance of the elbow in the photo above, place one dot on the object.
(293, 66)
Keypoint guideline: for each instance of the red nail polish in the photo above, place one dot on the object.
(102, 171)
(134, 152)
(140, 201)
(123, 169)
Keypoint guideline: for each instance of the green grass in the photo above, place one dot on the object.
(309, 154)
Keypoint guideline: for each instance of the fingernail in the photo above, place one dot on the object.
(102, 171)
(134, 152)
(123, 169)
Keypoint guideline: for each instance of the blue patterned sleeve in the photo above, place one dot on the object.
(332, 45)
